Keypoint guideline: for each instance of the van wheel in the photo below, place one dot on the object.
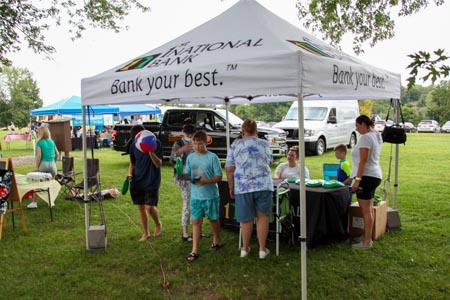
(321, 146)
(352, 142)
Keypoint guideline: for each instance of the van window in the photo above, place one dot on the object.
(310, 113)
(332, 113)
(315, 113)
(292, 114)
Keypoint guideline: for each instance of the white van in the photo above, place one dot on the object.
(327, 124)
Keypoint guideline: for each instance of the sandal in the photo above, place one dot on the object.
(215, 247)
(191, 257)
(186, 238)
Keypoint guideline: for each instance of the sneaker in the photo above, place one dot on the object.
(32, 205)
(361, 246)
(244, 253)
(359, 238)
(263, 254)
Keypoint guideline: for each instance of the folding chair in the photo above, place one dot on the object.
(67, 177)
(330, 171)
(93, 181)
(282, 193)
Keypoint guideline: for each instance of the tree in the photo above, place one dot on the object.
(19, 94)
(411, 115)
(371, 21)
(267, 112)
(27, 21)
(438, 105)
(365, 107)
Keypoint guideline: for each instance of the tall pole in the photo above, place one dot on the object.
(397, 147)
(302, 193)
(85, 175)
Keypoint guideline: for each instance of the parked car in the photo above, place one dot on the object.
(379, 125)
(428, 126)
(446, 127)
(409, 127)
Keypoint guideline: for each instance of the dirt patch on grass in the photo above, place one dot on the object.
(23, 160)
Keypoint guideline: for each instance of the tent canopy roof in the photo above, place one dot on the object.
(137, 109)
(245, 53)
(72, 106)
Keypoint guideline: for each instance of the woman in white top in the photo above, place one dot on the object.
(366, 173)
(291, 168)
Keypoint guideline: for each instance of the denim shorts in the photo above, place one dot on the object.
(247, 204)
(202, 208)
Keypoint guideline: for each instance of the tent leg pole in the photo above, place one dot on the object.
(397, 116)
(301, 142)
(85, 177)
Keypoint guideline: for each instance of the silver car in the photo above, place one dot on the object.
(428, 126)
(446, 127)
(409, 127)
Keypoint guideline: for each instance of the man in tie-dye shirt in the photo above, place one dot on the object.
(250, 182)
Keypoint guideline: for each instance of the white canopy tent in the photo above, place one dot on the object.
(245, 55)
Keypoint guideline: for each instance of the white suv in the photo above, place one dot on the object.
(428, 126)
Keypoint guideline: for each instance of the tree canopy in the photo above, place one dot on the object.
(372, 22)
(19, 94)
(28, 21)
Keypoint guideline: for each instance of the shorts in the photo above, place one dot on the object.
(247, 204)
(146, 197)
(209, 207)
(368, 186)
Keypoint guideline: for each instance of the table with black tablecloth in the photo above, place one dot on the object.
(326, 212)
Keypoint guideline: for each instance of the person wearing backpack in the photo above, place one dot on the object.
(181, 149)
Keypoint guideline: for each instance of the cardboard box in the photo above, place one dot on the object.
(356, 221)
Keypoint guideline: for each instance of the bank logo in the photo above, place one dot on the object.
(314, 49)
(139, 63)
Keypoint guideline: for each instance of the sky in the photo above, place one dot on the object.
(100, 50)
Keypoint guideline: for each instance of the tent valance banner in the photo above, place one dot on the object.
(236, 56)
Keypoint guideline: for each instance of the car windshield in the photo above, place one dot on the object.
(310, 114)
(447, 123)
(425, 122)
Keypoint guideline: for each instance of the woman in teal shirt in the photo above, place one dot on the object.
(46, 155)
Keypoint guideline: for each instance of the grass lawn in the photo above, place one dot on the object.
(51, 262)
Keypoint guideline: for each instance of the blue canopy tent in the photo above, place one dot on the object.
(137, 109)
(72, 106)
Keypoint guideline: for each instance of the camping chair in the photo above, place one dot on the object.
(330, 171)
(67, 177)
(282, 210)
(93, 181)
